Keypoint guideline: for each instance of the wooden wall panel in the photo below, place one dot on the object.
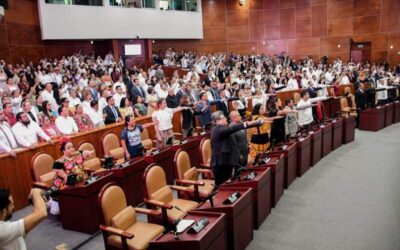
(237, 18)
(366, 7)
(213, 6)
(256, 5)
(271, 17)
(286, 4)
(339, 10)
(340, 27)
(306, 46)
(366, 24)
(22, 11)
(271, 4)
(237, 34)
(215, 34)
(24, 34)
(214, 19)
(331, 45)
(287, 23)
(319, 21)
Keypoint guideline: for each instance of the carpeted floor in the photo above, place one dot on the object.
(349, 200)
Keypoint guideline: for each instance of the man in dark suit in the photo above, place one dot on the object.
(240, 138)
(223, 146)
(361, 101)
(112, 113)
(136, 90)
(93, 90)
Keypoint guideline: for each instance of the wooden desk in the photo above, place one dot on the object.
(326, 139)
(316, 146)
(334, 105)
(396, 112)
(239, 215)
(372, 119)
(337, 131)
(303, 154)
(212, 237)
(79, 209)
(290, 161)
(277, 166)
(261, 186)
(349, 128)
(327, 108)
(389, 114)
(165, 159)
(130, 179)
(191, 146)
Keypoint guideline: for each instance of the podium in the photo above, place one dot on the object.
(191, 146)
(389, 109)
(277, 166)
(349, 128)
(290, 153)
(337, 132)
(316, 146)
(130, 179)
(79, 209)
(239, 215)
(396, 112)
(326, 139)
(165, 159)
(212, 237)
(261, 186)
(372, 119)
(303, 154)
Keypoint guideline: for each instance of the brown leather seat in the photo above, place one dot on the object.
(296, 98)
(91, 163)
(146, 141)
(188, 175)
(120, 228)
(42, 170)
(205, 152)
(159, 194)
(112, 147)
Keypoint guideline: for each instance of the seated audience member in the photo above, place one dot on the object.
(16, 100)
(47, 111)
(151, 100)
(125, 108)
(291, 123)
(13, 233)
(27, 132)
(139, 108)
(163, 116)
(118, 96)
(73, 98)
(27, 108)
(112, 113)
(8, 143)
(49, 127)
(9, 114)
(65, 123)
(203, 109)
(130, 137)
(94, 114)
(82, 120)
(48, 95)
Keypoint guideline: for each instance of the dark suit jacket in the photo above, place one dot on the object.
(361, 100)
(240, 138)
(224, 150)
(134, 91)
(110, 117)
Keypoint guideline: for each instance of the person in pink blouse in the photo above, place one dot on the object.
(82, 120)
(49, 127)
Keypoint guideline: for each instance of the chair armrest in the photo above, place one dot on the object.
(147, 211)
(158, 203)
(116, 231)
(204, 171)
(204, 166)
(40, 185)
(190, 182)
(183, 189)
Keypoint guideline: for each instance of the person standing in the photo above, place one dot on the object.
(361, 101)
(223, 147)
(240, 137)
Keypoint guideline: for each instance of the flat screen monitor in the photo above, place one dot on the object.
(133, 49)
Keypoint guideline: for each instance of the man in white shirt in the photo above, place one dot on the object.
(27, 132)
(66, 124)
(95, 115)
(382, 95)
(329, 77)
(7, 139)
(344, 79)
(304, 106)
(12, 233)
(47, 95)
(118, 96)
(292, 83)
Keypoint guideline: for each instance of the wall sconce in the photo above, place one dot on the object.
(339, 46)
(263, 43)
(391, 46)
(241, 2)
(91, 41)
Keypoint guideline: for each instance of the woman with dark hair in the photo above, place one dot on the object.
(82, 120)
(46, 110)
(131, 140)
(274, 107)
(187, 116)
(139, 108)
(125, 108)
(260, 136)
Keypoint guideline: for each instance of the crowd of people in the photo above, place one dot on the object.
(51, 98)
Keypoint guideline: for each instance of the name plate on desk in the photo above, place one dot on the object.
(311, 132)
(266, 160)
(322, 126)
(250, 176)
(283, 147)
(197, 227)
(155, 152)
(232, 198)
(183, 225)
